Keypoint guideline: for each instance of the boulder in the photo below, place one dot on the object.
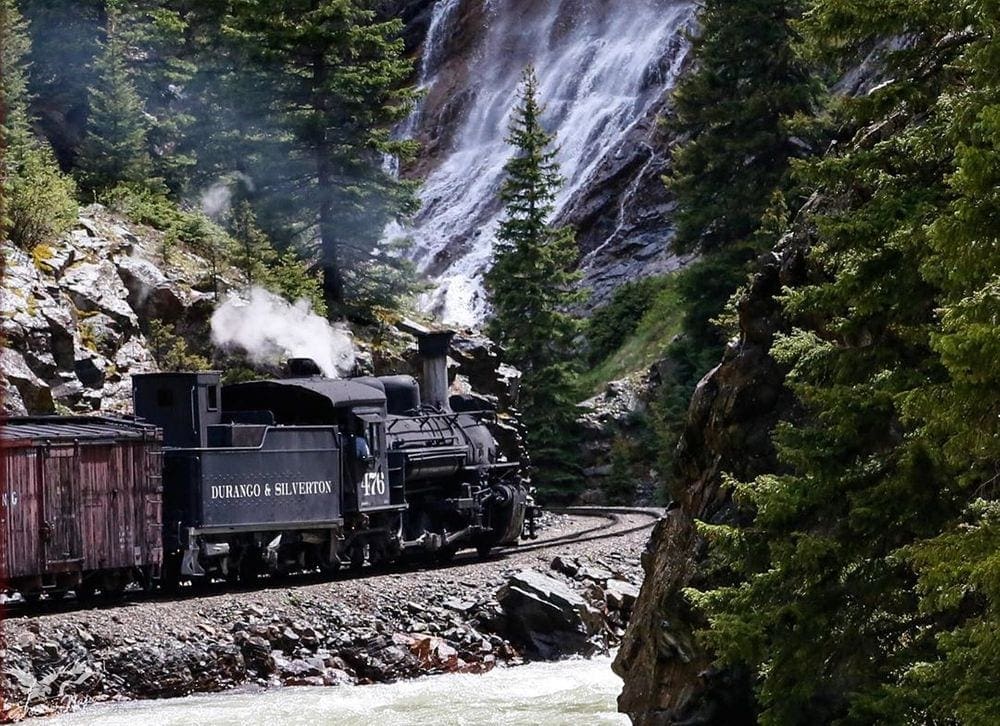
(96, 287)
(150, 293)
(33, 393)
(547, 617)
(621, 595)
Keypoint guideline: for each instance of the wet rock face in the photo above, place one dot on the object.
(73, 315)
(668, 678)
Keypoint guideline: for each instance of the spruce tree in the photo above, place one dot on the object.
(866, 587)
(735, 113)
(531, 288)
(64, 42)
(38, 201)
(959, 417)
(328, 81)
(115, 149)
(163, 65)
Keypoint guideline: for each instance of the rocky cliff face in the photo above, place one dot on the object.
(669, 679)
(74, 314)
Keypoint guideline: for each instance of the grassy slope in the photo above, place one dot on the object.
(645, 345)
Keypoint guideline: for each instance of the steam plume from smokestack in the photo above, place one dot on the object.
(269, 328)
(217, 200)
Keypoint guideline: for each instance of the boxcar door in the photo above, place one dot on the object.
(61, 536)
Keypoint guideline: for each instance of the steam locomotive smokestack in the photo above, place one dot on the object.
(434, 351)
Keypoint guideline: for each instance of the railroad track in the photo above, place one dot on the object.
(609, 526)
(612, 517)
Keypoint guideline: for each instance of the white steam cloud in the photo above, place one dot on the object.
(268, 328)
(217, 200)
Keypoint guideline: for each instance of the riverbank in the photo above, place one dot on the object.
(565, 693)
(467, 617)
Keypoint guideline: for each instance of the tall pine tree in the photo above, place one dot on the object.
(531, 287)
(115, 149)
(38, 200)
(869, 589)
(326, 81)
(735, 113)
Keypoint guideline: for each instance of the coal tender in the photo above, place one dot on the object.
(309, 472)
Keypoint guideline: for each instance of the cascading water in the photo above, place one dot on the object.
(602, 66)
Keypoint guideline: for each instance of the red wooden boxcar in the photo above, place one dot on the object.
(80, 504)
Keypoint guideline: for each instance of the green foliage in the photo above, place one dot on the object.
(531, 285)
(650, 334)
(40, 200)
(37, 200)
(744, 111)
(162, 68)
(171, 351)
(115, 148)
(735, 106)
(620, 487)
(291, 278)
(612, 324)
(143, 204)
(866, 585)
(254, 256)
(64, 40)
(333, 79)
(252, 252)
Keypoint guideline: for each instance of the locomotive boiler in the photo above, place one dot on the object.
(309, 472)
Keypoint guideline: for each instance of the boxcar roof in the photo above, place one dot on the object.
(53, 428)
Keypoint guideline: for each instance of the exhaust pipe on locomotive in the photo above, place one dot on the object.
(433, 349)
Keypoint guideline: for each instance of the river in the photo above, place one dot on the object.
(566, 693)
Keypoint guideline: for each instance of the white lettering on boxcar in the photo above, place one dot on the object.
(9, 499)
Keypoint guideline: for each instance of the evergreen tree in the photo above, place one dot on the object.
(38, 200)
(253, 254)
(738, 111)
(531, 287)
(959, 569)
(64, 42)
(869, 590)
(115, 149)
(329, 80)
(163, 65)
(262, 265)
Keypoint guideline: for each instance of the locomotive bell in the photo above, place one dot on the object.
(433, 349)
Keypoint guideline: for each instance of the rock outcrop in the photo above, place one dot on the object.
(74, 314)
(617, 413)
(669, 679)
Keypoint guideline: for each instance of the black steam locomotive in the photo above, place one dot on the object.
(309, 472)
(270, 476)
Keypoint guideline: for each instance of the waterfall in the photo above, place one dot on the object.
(602, 66)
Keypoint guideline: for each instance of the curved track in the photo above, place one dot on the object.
(612, 522)
(613, 526)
